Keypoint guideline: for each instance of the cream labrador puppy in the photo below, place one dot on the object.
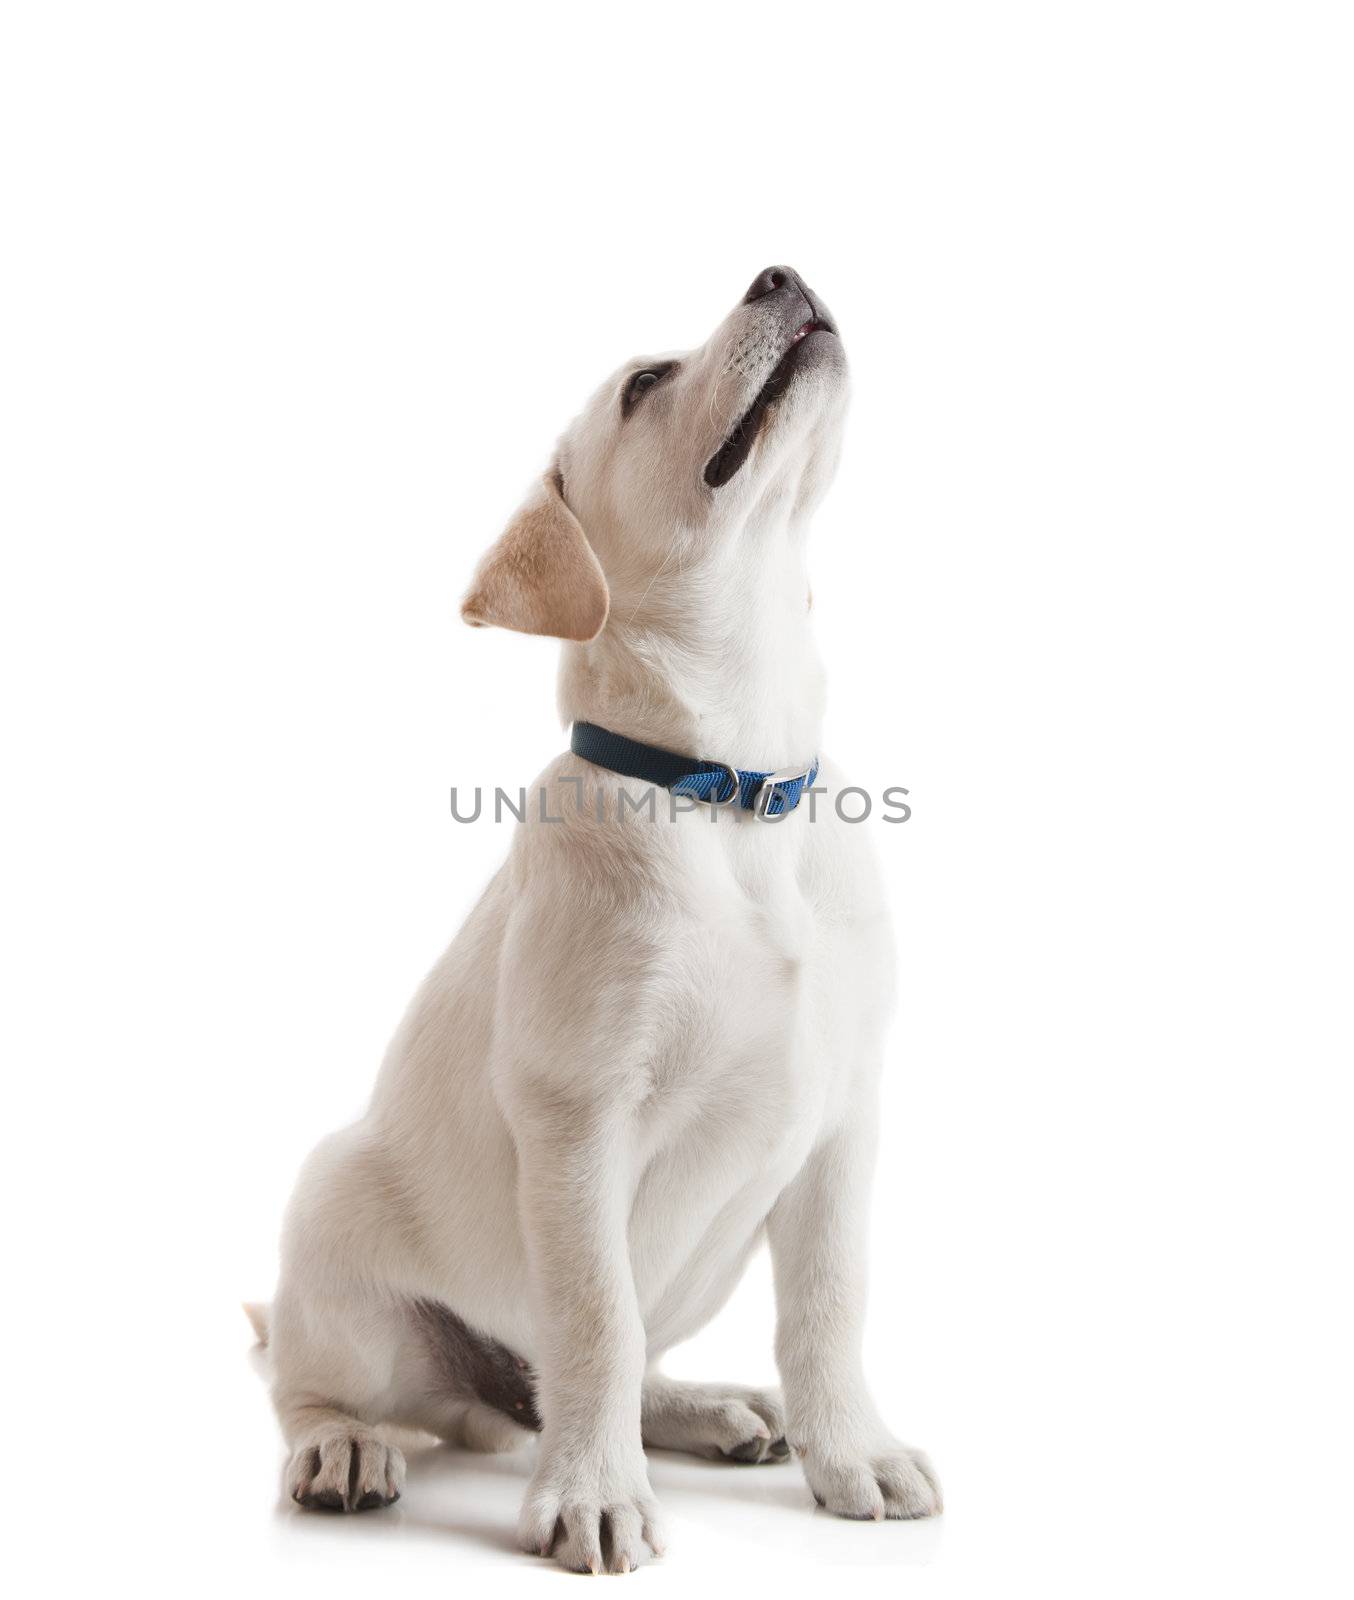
(656, 1041)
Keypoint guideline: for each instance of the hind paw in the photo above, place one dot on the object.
(716, 1420)
(352, 1471)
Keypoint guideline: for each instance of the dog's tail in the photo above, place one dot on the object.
(257, 1313)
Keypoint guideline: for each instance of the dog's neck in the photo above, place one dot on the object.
(714, 659)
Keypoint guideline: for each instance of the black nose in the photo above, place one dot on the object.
(768, 282)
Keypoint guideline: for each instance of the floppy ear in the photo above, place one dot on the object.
(541, 576)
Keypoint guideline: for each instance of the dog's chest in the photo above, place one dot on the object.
(755, 982)
(765, 991)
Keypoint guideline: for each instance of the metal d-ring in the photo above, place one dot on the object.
(735, 784)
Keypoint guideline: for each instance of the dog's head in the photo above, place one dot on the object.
(675, 458)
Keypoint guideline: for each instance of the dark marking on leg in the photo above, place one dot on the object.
(477, 1367)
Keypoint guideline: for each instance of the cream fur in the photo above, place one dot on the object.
(541, 576)
(652, 1045)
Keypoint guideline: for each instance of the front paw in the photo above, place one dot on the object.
(591, 1518)
(896, 1482)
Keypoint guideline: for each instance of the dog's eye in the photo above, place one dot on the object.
(640, 383)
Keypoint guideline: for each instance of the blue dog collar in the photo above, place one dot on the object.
(767, 793)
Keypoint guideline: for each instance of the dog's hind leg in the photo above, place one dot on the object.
(718, 1420)
(336, 1365)
(338, 1462)
(349, 1369)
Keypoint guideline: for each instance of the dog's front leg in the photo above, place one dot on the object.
(589, 1502)
(817, 1232)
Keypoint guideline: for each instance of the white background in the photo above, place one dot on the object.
(297, 298)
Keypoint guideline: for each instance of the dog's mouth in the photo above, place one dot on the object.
(735, 450)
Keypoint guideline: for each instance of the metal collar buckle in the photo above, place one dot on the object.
(774, 783)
